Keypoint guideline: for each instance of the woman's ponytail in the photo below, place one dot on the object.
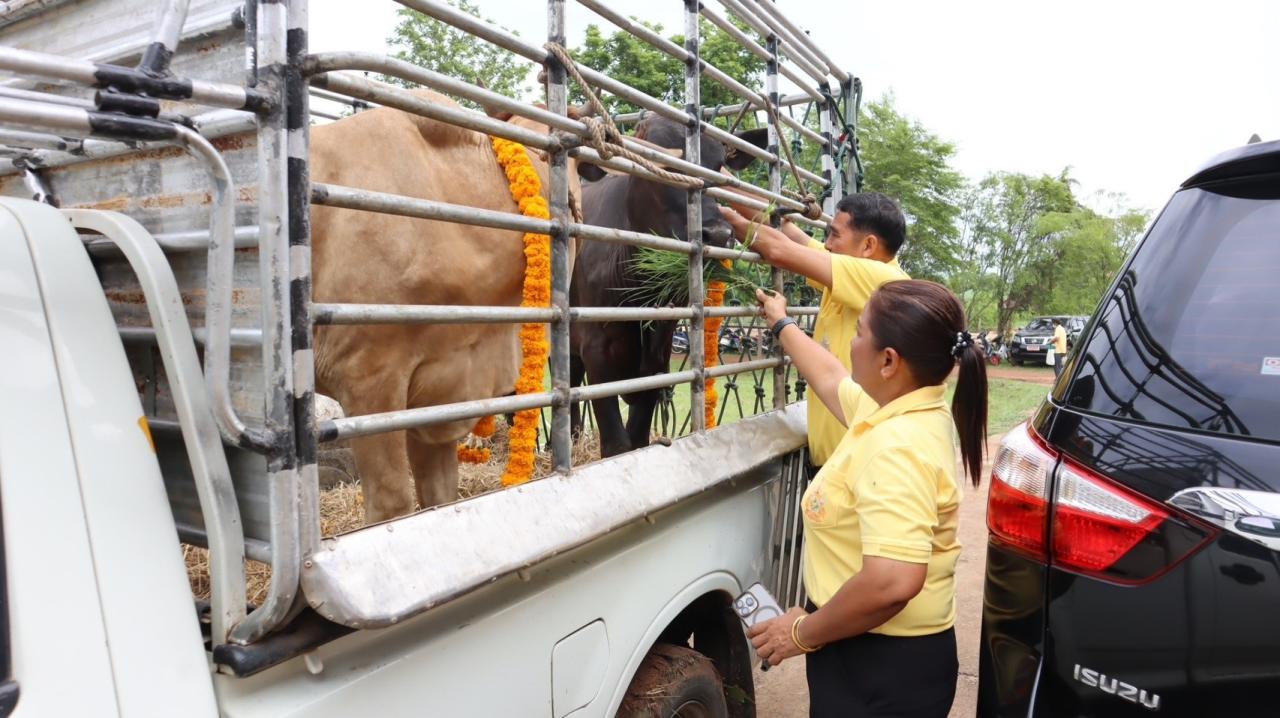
(969, 410)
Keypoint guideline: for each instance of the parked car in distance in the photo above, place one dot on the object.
(1029, 343)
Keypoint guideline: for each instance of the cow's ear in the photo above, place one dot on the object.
(590, 172)
(738, 160)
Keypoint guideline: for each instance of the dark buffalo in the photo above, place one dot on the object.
(612, 351)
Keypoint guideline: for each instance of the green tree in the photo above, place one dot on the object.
(1088, 250)
(438, 46)
(1012, 240)
(908, 162)
(1027, 246)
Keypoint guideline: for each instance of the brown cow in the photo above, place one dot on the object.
(368, 258)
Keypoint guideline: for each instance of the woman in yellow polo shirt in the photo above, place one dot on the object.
(880, 518)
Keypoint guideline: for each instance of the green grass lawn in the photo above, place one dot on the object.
(1030, 371)
(1009, 402)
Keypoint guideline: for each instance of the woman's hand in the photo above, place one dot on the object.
(772, 639)
(773, 305)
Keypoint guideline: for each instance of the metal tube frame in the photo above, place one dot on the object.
(280, 75)
(164, 43)
(748, 16)
(709, 113)
(125, 79)
(801, 39)
(485, 31)
(693, 215)
(337, 61)
(274, 190)
(755, 49)
(664, 45)
(558, 171)
(211, 125)
(775, 185)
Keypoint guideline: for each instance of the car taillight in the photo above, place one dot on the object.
(1094, 523)
(1018, 507)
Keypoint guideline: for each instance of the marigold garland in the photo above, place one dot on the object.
(711, 350)
(474, 454)
(526, 190)
(470, 452)
(485, 427)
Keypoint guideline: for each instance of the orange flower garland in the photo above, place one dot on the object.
(469, 454)
(474, 454)
(485, 427)
(711, 349)
(526, 190)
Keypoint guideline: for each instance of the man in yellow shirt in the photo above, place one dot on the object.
(857, 257)
(1059, 347)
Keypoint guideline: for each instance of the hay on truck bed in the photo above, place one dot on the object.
(342, 508)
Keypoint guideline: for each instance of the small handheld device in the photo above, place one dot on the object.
(754, 606)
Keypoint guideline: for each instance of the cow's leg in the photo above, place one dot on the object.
(381, 459)
(640, 407)
(613, 434)
(577, 372)
(384, 475)
(435, 470)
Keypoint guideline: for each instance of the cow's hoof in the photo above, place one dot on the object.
(662, 440)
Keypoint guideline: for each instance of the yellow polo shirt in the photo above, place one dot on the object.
(1060, 340)
(890, 490)
(853, 280)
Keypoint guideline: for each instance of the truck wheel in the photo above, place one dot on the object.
(675, 682)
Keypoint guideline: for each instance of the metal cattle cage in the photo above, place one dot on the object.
(215, 171)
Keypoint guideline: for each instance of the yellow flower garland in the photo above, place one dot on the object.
(711, 349)
(526, 190)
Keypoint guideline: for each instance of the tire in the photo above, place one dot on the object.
(1015, 362)
(675, 682)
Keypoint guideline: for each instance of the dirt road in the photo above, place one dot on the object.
(1035, 375)
(782, 693)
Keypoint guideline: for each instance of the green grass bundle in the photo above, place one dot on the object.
(663, 278)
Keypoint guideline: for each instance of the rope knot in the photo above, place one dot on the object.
(812, 210)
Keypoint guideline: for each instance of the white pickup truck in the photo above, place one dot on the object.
(125, 433)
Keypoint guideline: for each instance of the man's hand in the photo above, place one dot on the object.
(772, 639)
(750, 214)
(773, 305)
(765, 240)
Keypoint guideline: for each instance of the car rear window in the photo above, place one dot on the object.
(1190, 337)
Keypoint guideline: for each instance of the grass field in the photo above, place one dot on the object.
(1009, 402)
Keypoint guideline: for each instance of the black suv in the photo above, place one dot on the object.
(1133, 560)
(1030, 342)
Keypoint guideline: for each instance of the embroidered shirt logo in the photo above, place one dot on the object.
(815, 504)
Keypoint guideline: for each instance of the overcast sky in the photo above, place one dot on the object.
(1131, 94)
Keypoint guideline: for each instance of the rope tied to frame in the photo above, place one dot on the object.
(605, 138)
(812, 210)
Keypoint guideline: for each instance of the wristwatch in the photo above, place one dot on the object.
(779, 325)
